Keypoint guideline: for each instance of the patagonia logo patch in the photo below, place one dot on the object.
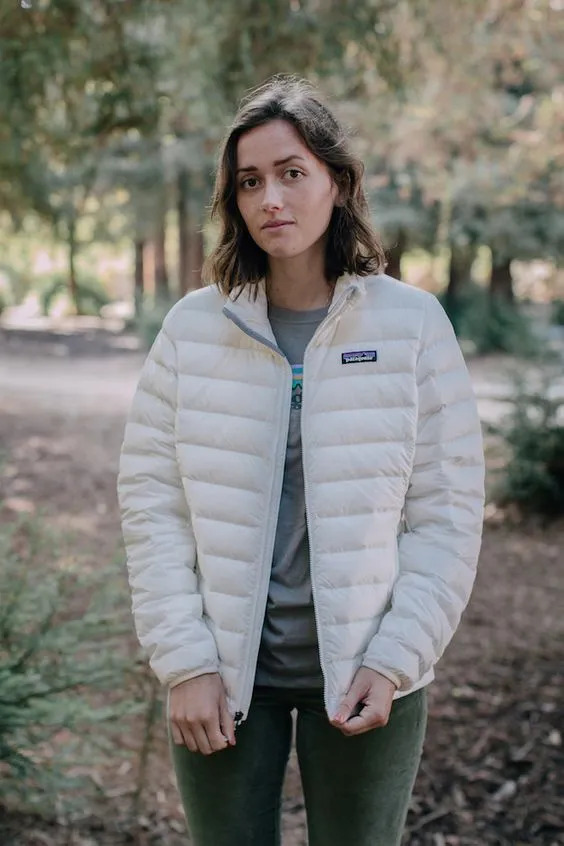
(359, 355)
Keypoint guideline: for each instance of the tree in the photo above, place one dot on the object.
(478, 114)
(72, 77)
(454, 105)
(400, 213)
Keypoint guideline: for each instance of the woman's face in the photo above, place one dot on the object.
(284, 192)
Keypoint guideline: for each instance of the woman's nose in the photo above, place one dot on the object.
(272, 197)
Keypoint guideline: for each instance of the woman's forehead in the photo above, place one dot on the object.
(269, 144)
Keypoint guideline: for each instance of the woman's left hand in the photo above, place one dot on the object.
(370, 700)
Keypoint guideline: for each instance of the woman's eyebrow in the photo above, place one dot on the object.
(276, 164)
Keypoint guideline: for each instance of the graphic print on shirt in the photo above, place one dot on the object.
(297, 386)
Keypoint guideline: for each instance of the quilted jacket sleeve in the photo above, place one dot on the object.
(438, 551)
(161, 551)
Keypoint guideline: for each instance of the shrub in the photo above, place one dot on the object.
(90, 294)
(148, 324)
(534, 434)
(492, 325)
(558, 312)
(61, 654)
(13, 284)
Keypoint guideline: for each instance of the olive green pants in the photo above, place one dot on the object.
(356, 789)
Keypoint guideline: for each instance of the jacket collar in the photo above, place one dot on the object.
(250, 313)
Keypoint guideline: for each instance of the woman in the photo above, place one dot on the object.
(301, 486)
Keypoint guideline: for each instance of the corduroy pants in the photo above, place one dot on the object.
(356, 789)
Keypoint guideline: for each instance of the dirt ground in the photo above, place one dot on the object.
(492, 771)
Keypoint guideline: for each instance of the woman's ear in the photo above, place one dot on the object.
(340, 192)
(338, 195)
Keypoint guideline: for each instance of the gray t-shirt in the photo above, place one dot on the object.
(289, 653)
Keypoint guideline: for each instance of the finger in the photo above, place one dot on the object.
(346, 708)
(370, 717)
(189, 740)
(182, 736)
(176, 734)
(349, 704)
(216, 737)
(202, 742)
(356, 725)
(217, 740)
(227, 723)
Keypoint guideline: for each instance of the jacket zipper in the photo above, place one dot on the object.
(270, 539)
(339, 307)
(245, 697)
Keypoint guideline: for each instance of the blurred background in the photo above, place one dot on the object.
(111, 112)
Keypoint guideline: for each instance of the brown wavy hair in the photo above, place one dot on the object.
(351, 246)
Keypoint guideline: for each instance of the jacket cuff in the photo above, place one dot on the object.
(384, 671)
(182, 677)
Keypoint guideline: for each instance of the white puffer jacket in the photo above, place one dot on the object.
(393, 470)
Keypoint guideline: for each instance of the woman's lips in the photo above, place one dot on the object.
(277, 224)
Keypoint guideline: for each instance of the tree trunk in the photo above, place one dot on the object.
(501, 283)
(459, 275)
(182, 186)
(73, 283)
(139, 276)
(394, 255)
(161, 274)
(196, 254)
(190, 236)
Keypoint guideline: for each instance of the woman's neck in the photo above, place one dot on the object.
(298, 284)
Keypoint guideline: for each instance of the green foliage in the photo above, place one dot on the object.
(491, 324)
(399, 210)
(149, 322)
(107, 105)
(61, 655)
(534, 433)
(91, 296)
(496, 326)
(558, 312)
(13, 284)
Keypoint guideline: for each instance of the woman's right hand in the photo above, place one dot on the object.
(199, 716)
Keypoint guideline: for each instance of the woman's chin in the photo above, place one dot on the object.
(282, 251)
(279, 253)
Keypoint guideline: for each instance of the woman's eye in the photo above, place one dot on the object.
(294, 173)
(250, 182)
